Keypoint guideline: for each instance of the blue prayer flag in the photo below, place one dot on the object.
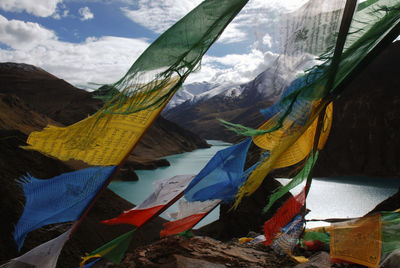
(59, 199)
(222, 176)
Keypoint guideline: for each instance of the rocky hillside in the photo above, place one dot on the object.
(366, 127)
(365, 135)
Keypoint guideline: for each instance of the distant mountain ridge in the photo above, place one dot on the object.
(236, 104)
(267, 85)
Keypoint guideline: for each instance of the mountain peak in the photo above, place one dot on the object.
(13, 68)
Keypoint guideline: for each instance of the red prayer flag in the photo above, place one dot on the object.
(135, 217)
(283, 216)
(181, 225)
(166, 192)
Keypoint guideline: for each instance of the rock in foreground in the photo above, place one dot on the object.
(203, 252)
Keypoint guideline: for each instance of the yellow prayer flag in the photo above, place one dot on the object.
(277, 142)
(358, 241)
(303, 146)
(102, 139)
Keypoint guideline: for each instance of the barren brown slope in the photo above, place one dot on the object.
(46, 93)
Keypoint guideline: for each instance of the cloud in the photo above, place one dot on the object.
(99, 60)
(233, 68)
(105, 59)
(61, 12)
(85, 13)
(159, 15)
(233, 34)
(23, 35)
(40, 8)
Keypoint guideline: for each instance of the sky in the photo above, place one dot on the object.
(96, 41)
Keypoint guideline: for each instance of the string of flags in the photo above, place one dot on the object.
(295, 129)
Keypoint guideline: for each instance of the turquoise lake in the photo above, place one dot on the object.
(339, 197)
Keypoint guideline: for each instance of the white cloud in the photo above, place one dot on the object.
(99, 60)
(233, 34)
(233, 68)
(106, 59)
(40, 8)
(23, 35)
(61, 12)
(159, 15)
(267, 40)
(85, 13)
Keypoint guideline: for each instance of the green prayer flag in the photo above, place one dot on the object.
(113, 251)
(299, 178)
(173, 56)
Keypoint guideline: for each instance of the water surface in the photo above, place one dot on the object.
(338, 197)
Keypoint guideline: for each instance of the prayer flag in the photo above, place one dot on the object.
(302, 147)
(283, 216)
(190, 213)
(59, 199)
(312, 41)
(297, 180)
(113, 251)
(91, 264)
(42, 256)
(218, 181)
(165, 191)
(358, 241)
(222, 176)
(287, 239)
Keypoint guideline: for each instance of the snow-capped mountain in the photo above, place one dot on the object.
(265, 85)
(201, 91)
(197, 106)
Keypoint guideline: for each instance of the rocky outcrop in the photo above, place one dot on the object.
(204, 252)
(365, 135)
(390, 204)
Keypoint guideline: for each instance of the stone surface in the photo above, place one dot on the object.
(391, 261)
(205, 251)
(318, 260)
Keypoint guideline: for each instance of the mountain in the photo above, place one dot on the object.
(238, 104)
(65, 104)
(46, 93)
(366, 129)
(199, 92)
(365, 135)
